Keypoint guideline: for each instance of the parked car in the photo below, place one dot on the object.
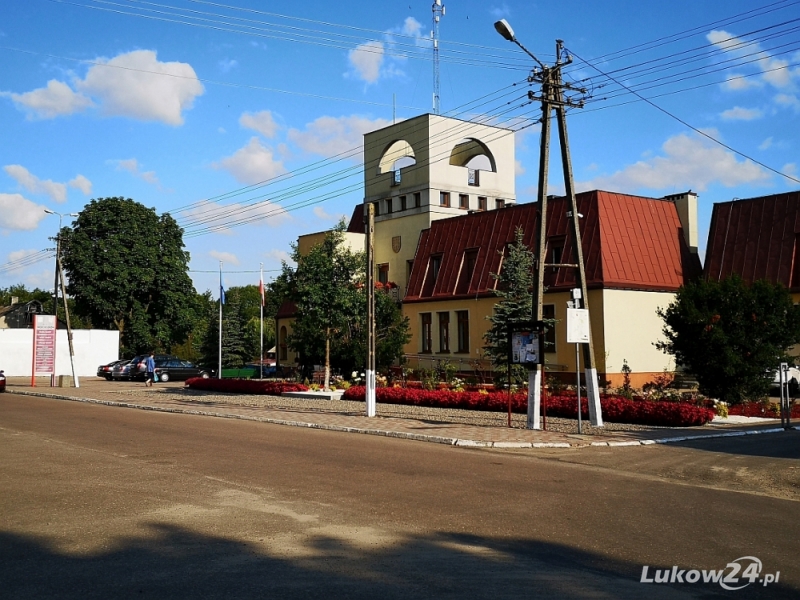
(106, 370)
(2, 381)
(175, 369)
(121, 371)
(139, 372)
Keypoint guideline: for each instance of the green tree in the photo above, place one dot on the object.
(128, 270)
(328, 289)
(729, 334)
(24, 296)
(234, 345)
(514, 285)
(324, 287)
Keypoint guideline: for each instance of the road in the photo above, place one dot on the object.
(103, 502)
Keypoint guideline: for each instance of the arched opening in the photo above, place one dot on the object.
(398, 154)
(475, 156)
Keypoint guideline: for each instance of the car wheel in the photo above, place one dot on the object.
(205, 375)
(164, 377)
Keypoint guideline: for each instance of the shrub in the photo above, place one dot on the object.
(767, 410)
(245, 386)
(616, 409)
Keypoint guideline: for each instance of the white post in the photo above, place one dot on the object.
(534, 398)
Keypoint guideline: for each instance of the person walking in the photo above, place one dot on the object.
(150, 370)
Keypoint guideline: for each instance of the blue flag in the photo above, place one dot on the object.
(221, 289)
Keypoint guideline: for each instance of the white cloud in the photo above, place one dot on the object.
(321, 213)
(143, 88)
(253, 163)
(134, 84)
(500, 12)
(279, 255)
(789, 100)
(765, 144)
(81, 183)
(367, 60)
(19, 213)
(227, 65)
(131, 165)
(55, 100)
(774, 71)
(219, 216)
(737, 83)
(737, 113)
(687, 162)
(262, 122)
(225, 257)
(412, 27)
(330, 136)
(56, 191)
(519, 169)
(790, 169)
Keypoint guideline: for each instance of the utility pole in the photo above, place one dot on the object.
(75, 381)
(552, 97)
(370, 247)
(438, 13)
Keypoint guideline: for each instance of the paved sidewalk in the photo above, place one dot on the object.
(390, 422)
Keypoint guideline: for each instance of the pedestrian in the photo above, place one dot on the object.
(150, 369)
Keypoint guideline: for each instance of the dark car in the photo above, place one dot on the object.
(122, 370)
(175, 369)
(107, 370)
(2, 382)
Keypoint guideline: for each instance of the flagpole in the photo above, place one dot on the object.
(221, 302)
(261, 338)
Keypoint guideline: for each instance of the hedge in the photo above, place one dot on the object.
(245, 386)
(616, 409)
(759, 409)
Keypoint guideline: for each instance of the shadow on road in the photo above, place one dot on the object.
(178, 563)
(785, 444)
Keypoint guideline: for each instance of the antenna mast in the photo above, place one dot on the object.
(438, 13)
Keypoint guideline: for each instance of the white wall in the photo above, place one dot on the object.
(93, 347)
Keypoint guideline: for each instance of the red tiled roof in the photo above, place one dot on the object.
(628, 242)
(756, 239)
(356, 224)
(287, 310)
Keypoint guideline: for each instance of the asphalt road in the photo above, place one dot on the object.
(103, 502)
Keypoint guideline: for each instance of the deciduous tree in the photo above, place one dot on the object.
(729, 335)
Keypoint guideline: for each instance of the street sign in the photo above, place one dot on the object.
(44, 345)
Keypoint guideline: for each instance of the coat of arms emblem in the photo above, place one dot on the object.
(396, 244)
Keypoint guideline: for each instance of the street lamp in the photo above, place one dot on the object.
(58, 252)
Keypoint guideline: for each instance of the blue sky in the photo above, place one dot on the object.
(187, 105)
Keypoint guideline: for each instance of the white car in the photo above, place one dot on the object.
(792, 377)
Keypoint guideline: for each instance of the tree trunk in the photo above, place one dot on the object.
(328, 359)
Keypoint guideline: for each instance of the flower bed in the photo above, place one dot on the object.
(759, 409)
(245, 386)
(615, 408)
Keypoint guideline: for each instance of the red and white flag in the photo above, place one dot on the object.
(261, 288)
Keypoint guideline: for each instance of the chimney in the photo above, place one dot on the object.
(686, 205)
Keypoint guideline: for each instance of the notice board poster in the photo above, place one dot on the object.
(44, 345)
(526, 345)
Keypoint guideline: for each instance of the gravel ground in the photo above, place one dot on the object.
(349, 407)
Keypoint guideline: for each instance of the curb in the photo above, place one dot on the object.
(419, 437)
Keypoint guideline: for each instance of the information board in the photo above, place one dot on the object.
(44, 345)
(526, 345)
(577, 326)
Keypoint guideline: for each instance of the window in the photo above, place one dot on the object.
(444, 331)
(467, 270)
(549, 314)
(396, 177)
(417, 199)
(436, 264)
(383, 273)
(283, 351)
(499, 203)
(473, 177)
(556, 250)
(463, 201)
(482, 202)
(388, 206)
(462, 318)
(403, 203)
(426, 332)
(444, 198)
(377, 206)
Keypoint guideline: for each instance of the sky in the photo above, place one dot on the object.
(244, 119)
